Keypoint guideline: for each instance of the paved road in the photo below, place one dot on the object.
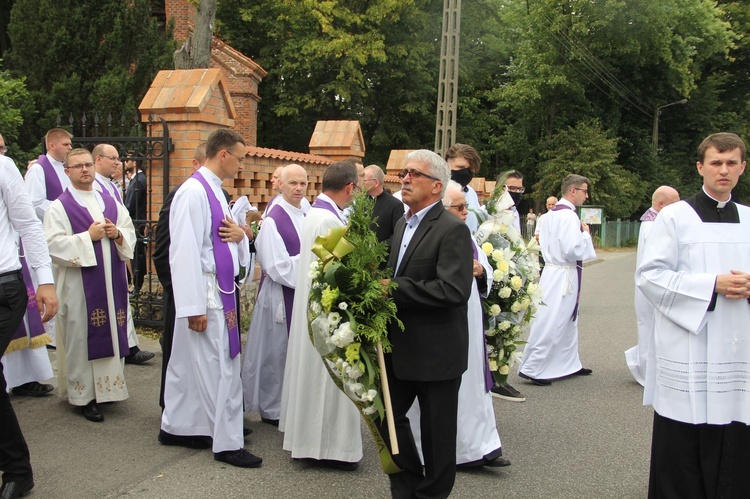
(579, 438)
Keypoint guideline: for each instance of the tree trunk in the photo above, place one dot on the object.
(196, 51)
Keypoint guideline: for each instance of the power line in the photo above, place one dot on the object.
(594, 65)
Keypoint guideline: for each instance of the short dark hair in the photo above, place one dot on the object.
(513, 174)
(722, 141)
(468, 153)
(221, 139)
(573, 180)
(200, 153)
(340, 174)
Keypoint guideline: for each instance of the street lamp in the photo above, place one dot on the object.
(655, 138)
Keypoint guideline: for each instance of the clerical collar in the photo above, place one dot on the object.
(719, 204)
(713, 211)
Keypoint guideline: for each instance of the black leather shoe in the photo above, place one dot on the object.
(33, 389)
(536, 381)
(92, 413)
(272, 422)
(498, 462)
(242, 458)
(11, 490)
(140, 357)
(339, 465)
(189, 441)
(582, 372)
(330, 463)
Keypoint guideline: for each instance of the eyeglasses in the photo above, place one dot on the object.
(241, 159)
(458, 207)
(581, 189)
(355, 186)
(513, 188)
(111, 158)
(415, 174)
(79, 166)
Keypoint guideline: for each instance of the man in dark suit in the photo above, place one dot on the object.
(388, 210)
(135, 202)
(431, 254)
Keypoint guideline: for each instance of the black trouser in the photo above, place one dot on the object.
(14, 453)
(166, 338)
(699, 460)
(138, 264)
(438, 403)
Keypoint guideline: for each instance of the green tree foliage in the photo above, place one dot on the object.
(13, 95)
(588, 150)
(532, 74)
(84, 57)
(372, 61)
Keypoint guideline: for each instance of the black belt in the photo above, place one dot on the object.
(12, 276)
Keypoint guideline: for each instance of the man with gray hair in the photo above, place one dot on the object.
(310, 400)
(477, 440)
(431, 255)
(552, 350)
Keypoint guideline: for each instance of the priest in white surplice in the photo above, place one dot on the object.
(552, 350)
(319, 422)
(90, 236)
(694, 272)
(203, 391)
(477, 441)
(277, 247)
(106, 162)
(638, 356)
(45, 180)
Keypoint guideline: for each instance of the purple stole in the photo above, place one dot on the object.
(488, 382)
(224, 267)
(319, 203)
(51, 180)
(93, 278)
(288, 233)
(649, 215)
(117, 196)
(36, 328)
(579, 265)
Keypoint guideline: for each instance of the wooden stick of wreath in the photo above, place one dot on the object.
(387, 402)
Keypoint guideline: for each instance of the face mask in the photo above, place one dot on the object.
(463, 176)
(516, 197)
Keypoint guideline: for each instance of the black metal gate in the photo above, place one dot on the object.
(146, 143)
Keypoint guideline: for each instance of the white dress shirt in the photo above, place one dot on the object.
(17, 217)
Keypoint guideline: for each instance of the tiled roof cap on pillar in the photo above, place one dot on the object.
(189, 95)
(338, 140)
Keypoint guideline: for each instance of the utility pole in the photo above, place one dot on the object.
(447, 102)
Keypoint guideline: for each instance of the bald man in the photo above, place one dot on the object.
(550, 203)
(277, 247)
(387, 210)
(637, 357)
(276, 186)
